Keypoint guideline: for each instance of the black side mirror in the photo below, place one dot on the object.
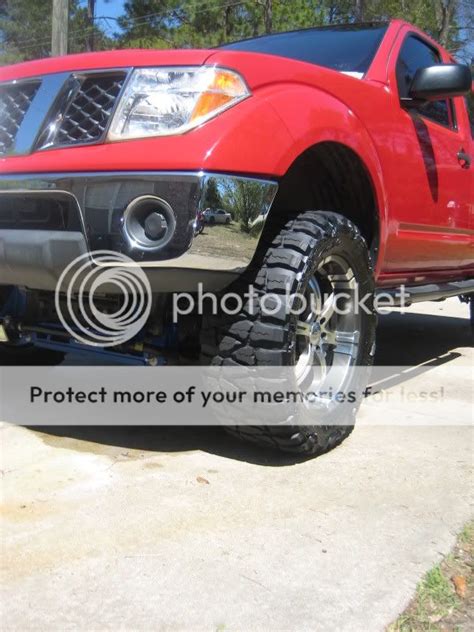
(441, 82)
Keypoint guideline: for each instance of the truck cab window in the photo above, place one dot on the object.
(413, 55)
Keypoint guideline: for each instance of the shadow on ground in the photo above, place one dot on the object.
(415, 340)
(167, 439)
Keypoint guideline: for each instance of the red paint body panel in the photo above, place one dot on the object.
(425, 199)
(107, 59)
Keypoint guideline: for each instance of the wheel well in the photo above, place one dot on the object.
(329, 176)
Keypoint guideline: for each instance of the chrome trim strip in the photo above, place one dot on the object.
(50, 124)
(37, 113)
(103, 198)
(68, 94)
(42, 192)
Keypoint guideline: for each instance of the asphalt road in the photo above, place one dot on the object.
(177, 529)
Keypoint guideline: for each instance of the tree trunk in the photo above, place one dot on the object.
(360, 10)
(91, 24)
(268, 15)
(227, 23)
(444, 16)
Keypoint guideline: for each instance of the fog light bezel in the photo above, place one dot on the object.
(133, 230)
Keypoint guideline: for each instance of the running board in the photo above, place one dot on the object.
(408, 294)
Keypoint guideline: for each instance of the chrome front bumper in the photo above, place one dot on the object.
(47, 220)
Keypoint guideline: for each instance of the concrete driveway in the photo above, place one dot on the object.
(177, 529)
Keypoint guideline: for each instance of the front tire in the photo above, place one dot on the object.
(302, 258)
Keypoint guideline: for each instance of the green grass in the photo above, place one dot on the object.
(224, 240)
(434, 600)
(436, 603)
(467, 534)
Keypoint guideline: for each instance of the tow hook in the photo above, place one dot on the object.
(3, 334)
(10, 331)
(6, 326)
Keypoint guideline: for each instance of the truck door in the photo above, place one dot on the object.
(434, 231)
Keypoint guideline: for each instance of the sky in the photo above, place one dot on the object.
(108, 8)
(114, 8)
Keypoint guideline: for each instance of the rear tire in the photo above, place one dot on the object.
(256, 339)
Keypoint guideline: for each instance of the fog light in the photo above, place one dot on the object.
(149, 223)
(155, 226)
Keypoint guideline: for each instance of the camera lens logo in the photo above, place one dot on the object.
(81, 289)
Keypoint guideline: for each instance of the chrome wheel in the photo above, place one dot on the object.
(328, 330)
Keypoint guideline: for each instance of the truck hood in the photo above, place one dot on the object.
(262, 69)
(108, 59)
(258, 69)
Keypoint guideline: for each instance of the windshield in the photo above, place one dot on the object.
(347, 48)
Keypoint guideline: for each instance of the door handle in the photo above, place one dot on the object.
(464, 159)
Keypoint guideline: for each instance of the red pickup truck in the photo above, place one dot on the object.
(341, 157)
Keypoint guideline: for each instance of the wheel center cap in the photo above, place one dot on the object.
(315, 333)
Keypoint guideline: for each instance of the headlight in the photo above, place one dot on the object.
(163, 101)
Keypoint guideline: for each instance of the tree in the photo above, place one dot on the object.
(149, 23)
(246, 200)
(91, 24)
(25, 30)
(359, 13)
(267, 6)
(185, 24)
(25, 25)
(448, 21)
(213, 199)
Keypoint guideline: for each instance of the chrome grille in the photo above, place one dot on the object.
(15, 99)
(87, 114)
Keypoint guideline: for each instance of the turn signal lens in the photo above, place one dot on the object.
(225, 88)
